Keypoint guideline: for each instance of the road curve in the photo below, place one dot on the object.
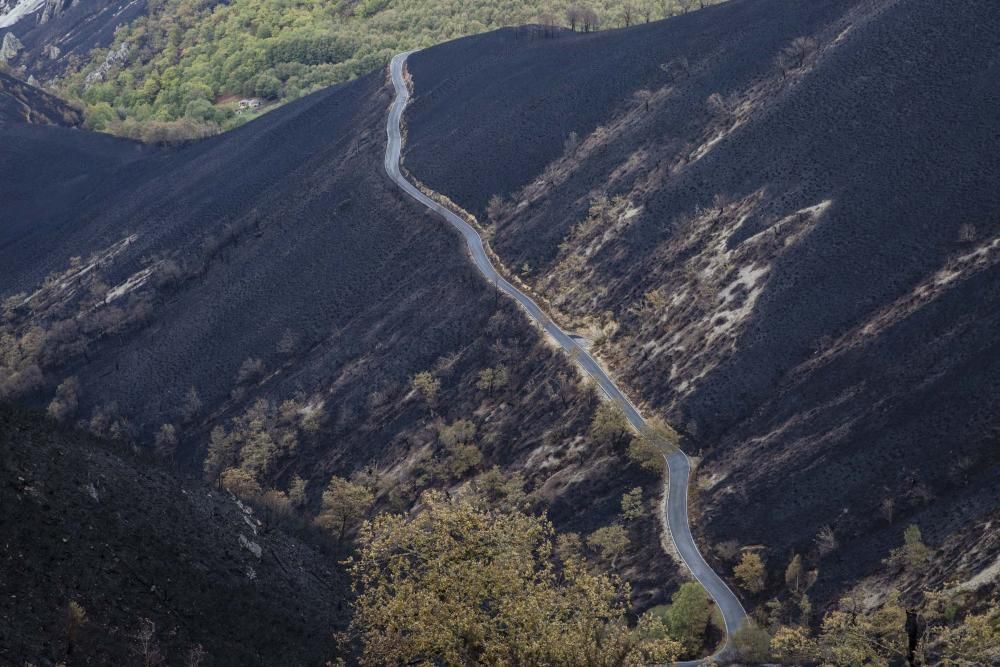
(678, 465)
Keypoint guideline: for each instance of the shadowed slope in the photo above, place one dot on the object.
(797, 264)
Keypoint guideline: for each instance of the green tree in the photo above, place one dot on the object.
(345, 504)
(609, 426)
(749, 572)
(459, 584)
(793, 573)
(644, 452)
(632, 506)
(753, 643)
(915, 552)
(611, 541)
(491, 379)
(793, 645)
(241, 483)
(850, 637)
(687, 617)
(297, 493)
(427, 386)
(222, 452)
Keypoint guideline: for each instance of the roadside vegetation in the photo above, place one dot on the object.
(179, 72)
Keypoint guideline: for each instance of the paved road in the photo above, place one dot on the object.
(678, 465)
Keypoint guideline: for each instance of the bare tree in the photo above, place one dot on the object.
(590, 20)
(796, 54)
(574, 15)
(647, 11)
(146, 644)
(628, 13)
(548, 23)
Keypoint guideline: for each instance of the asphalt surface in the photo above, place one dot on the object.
(678, 465)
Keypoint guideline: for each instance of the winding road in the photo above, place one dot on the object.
(678, 465)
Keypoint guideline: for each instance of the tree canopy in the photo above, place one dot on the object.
(457, 583)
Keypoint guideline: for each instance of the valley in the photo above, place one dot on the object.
(667, 340)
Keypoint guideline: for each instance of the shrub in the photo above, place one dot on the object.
(66, 400)
(251, 370)
(166, 441)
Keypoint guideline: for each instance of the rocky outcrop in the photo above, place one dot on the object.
(10, 47)
(116, 56)
(54, 8)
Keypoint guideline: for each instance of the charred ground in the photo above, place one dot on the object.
(145, 272)
(793, 253)
(105, 528)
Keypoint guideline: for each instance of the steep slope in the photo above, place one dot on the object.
(52, 35)
(788, 246)
(278, 263)
(98, 526)
(23, 103)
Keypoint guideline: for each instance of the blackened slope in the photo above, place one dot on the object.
(48, 177)
(290, 225)
(83, 522)
(64, 31)
(22, 103)
(864, 365)
(506, 102)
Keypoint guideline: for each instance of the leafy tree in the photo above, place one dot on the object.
(240, 483)
(274, 506)
(687, 616)
(611, 541)
(609, 426)
(345, 504)
(459, 584)
(644, 452)
(222, 453)
(749, 572)
(915, 552)
(793, 573)
(850, 637)
(459, 432)
(753, 644)
(793, 645)
(427, 386)
(491, 379)
(297, 492)
(805, 608)
(974, 641)
(632, 506)
(501, 491)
